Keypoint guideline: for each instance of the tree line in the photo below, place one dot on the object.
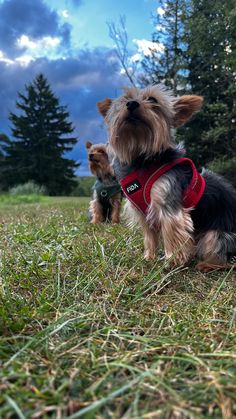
(198, 55)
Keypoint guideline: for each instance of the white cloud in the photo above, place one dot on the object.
(24, 41)
(4, 59)
(136, 57)
(39, 44)
(36, 48)
(24, 60)
(160, 11)
(65, 13)
(147, 47)
(160, 27)
(42, 47)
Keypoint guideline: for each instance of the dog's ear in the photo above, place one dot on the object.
(88, 145)
(184, 108)
(103, 106)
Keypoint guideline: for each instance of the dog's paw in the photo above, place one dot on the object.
(149, 256)
(207, 267)
(175, 262)
(115, 221)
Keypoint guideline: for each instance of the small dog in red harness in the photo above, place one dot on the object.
(194, 213)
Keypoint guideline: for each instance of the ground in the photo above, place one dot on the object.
(89, 329)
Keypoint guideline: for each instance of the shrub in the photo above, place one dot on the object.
(29, 188)
(84, 186)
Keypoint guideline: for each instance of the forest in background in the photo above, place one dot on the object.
(193, 51)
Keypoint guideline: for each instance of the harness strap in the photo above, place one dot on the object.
(105, 192)
(138, 184)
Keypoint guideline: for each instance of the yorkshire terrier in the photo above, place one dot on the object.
(194, 213)
(106, 202)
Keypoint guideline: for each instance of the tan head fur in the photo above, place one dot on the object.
(140, 121)
(98, 160)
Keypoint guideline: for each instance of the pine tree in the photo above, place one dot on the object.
(42, 138)
(166, 63)
(211, 136)
(4, 143)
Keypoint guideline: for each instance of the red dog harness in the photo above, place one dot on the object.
(138, 184)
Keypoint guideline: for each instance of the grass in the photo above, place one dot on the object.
(89, 329)
(6, 200)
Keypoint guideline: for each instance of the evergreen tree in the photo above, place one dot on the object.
(42, 137)
(4, 142)
(166, 63)
(211, 39)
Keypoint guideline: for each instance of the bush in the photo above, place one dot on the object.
(29, 188)
(84, 186)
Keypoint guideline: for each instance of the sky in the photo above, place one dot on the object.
(68, 41)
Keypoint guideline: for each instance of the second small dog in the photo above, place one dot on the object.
(106, 202)
(195, 214)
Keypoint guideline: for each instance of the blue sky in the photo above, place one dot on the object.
(88, 19)
(68, 41)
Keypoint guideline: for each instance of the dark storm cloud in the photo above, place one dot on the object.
(29, 17)
(79, 83)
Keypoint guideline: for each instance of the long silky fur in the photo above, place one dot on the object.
(145, 135)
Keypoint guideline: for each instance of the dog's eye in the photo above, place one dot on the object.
(152, 99)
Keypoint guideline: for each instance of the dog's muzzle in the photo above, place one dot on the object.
(93, 159)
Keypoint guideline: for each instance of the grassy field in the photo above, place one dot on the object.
(89, 329)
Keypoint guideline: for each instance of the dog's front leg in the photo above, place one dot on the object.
(151, 233)
(177, 236)
(175, 222)
(116, 205)
(151, 239)
(96, 212)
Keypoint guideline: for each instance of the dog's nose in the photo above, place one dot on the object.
(132, 105)
(91, 157)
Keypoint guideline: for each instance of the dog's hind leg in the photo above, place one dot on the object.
(213, 265)
(215, 249)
